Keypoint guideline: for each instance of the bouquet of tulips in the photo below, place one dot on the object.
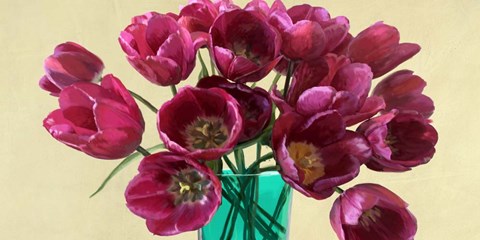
(319, 120)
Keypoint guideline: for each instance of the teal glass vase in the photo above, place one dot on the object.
(254, 206)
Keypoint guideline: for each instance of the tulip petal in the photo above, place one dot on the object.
(315, 100)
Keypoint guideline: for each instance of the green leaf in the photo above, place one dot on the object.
(122, 165)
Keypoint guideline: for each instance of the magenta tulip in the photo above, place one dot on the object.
(370, 211)
(173, 193)
(399, 141)
(101, 121)
(70, 63)
(159, 48)
(317, 154)
(308, 32)
(200, 123)
(244, 47)
(255, 104)
(331, 84)
(197, 17)
(49, 86)
(403, 91)
(379, 47)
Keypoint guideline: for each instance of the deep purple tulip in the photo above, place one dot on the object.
(399, 141)
(403, 91)
(317, 154)
(308, 32)
(255, 104)
(173, 193)
(244, 47)
(370, 211)
(332, 84)
(70, 63)
(200, 123)
(102, 121)
(379, 47)
(159, 48)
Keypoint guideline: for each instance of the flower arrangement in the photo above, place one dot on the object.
(321, 127)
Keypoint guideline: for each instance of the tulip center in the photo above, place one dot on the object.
(308, 159)
(391, 140)
(188, 185)
(244, 50)
(370, 217)
(206, 133)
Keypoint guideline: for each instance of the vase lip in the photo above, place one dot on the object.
(229, 173)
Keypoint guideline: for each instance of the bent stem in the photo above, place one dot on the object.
(144, 101)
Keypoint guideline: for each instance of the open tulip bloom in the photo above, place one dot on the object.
(322, 124)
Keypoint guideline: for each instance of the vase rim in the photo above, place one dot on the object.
(229, 173)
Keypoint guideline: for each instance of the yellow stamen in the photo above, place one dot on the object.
(308, 159)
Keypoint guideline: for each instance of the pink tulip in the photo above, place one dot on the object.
(255, 104)
(316, 154)
(399, 141)
(101, 121)
(244, 47)
(173, 193)
(403, 91)
(70, 63)
(203, 124)
(159, 48)
(370, 211)
(379, 47)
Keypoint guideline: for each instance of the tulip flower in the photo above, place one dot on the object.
(101, 121)
(197, 17)
(244, 47)
(255, 104)
(379, 47)
(403, 91)
(173, 193)
(159, 48)
(370, 211)
(331, 84)
(308, 32)
(399, 141)
(200, 123)
(70, 63)
(317, 154)
(49, 86)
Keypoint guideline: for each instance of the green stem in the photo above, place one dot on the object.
(142, 151)
(275, 81)
(282, 199)
(229, 192)
(339, 190)
(121, 166)
(241, 196)
(212, 66)
(204, 72)
(255, 164)
(252, 142)
(230, 164)
(239, 160)
(173, 88)
(144, 101)
(287, 80)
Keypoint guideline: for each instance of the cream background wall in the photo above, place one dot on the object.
(44, 186)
